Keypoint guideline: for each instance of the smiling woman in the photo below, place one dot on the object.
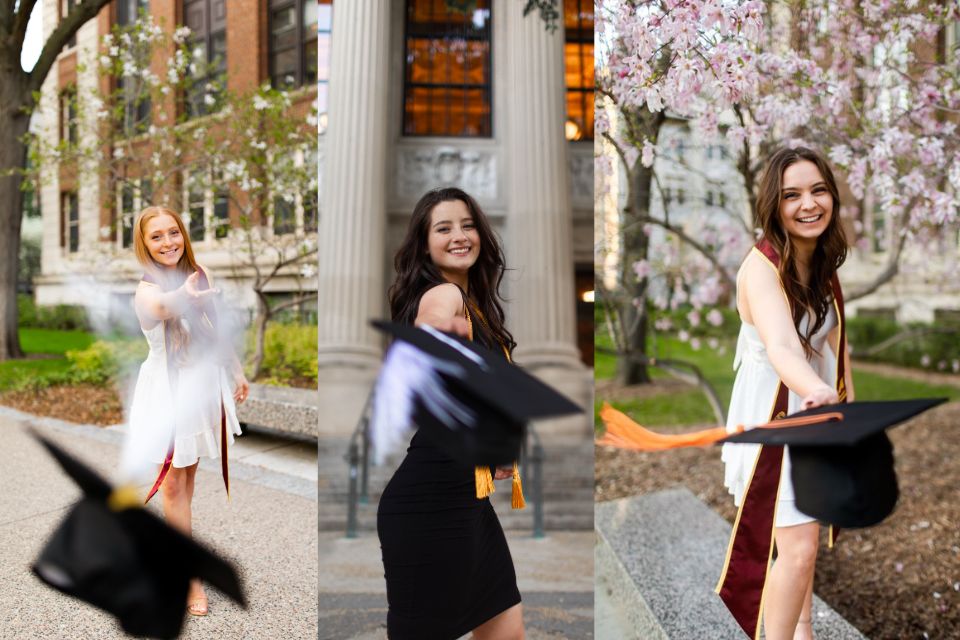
(184, 403)
(446, 560)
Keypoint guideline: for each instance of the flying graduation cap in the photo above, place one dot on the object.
(119, 557)
(471, 400)
(841, 458)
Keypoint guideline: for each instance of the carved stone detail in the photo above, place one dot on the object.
(423, 168)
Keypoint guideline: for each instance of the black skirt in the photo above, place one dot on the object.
(445, 558)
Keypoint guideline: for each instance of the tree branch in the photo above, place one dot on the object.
(893, 261)
(701, 249)
(293, 302)
(68, 27)
(20, 20)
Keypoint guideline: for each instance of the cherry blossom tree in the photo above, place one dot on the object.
(865, 82)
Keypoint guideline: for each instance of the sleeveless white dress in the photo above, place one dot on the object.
(754, 392)
(188, 409)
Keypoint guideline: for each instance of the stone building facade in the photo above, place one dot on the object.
(507, 145)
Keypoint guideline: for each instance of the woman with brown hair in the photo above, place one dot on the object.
(183, 406)
(446, 561)
(791, 355)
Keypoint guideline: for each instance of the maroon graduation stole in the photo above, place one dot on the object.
(210, 313)
(751, 546)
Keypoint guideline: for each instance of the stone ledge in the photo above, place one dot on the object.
(284, 411)
(660, 556)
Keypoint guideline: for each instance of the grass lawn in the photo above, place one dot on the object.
(48, 342)
(690, 407)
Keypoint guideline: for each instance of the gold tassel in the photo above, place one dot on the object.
(516, 499)
(484, 481)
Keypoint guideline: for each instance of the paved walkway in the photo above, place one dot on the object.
(268, 529)
(555, 576)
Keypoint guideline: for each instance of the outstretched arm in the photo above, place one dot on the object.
(241, 387)
(153, 304)
(771, 316)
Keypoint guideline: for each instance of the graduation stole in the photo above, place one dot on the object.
(210, 313)
(741, 585)
(482, 476)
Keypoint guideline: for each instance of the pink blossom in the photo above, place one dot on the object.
(715, 318)
(646, 156)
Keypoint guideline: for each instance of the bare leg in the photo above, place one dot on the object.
(177, 501)
(507, 625)
(790, 579)
(805, 624)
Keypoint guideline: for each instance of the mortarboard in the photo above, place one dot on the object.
(119, 557)
(841, 458)
(470, 399)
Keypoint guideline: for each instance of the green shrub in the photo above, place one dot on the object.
(290, 353)
(934, 351)
(61, 316)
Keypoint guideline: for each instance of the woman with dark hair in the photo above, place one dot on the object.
(183, 405)
(446, 561)
(791, 355)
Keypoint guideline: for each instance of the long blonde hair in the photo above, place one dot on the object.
(178, 338)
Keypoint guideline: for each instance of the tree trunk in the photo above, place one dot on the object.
(13, 154)
(260, 328)
(633, 370)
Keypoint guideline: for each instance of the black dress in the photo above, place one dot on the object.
(445, 558)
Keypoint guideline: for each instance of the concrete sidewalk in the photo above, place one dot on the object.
(268, 529)
(554, 574)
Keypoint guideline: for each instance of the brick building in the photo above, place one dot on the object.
(248, 43)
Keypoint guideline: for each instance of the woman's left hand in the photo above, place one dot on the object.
(241, 387)
(502, 473)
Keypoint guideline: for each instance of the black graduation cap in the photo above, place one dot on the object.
(111, 552)
(470, 400)
(842, 469)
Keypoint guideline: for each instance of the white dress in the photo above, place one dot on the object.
(189, 409)
(754, 391)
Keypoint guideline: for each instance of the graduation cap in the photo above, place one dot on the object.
(119, 557)
(470, 400)
(841, 458)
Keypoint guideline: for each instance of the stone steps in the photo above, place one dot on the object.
(657, 560)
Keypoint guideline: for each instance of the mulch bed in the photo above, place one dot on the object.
(82, 403)
(900, 579)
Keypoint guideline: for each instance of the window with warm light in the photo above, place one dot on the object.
(446, 88)
(578, 63)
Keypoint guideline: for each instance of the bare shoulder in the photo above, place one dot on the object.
(443, 299)
(758, 272)
(447, 293)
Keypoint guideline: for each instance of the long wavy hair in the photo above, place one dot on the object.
(816, 296)
(416, 272)
(178, 337)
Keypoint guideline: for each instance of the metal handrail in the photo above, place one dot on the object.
(358, 461)
(358, 465)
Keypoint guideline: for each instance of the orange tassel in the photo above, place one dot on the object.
(624, 433)
(484, 481)
(516, 497)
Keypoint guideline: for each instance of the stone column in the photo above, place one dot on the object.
(352, 211)
(540, 220)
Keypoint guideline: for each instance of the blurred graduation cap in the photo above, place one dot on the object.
(471, 400)
(841, 458)
(119, 557)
